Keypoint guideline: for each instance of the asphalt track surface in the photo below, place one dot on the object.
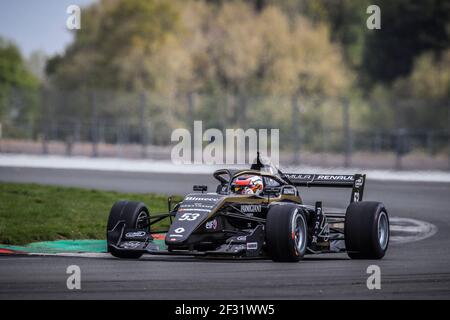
(416, 270)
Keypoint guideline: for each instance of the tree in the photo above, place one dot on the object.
(408, 29)
(345, 19)
(17, 87)
(228, 51)
(36, 63)
(114, 47)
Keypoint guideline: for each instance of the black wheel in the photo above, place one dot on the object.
(366, 230)
(286, 233)
(135, 215)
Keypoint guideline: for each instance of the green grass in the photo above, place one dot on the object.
(31, 212)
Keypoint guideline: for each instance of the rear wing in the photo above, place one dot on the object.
(356, 182)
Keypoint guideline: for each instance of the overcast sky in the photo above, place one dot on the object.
(37, 25)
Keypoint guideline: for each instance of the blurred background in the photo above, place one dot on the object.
(342, 95)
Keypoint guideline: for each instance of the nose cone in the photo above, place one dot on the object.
(193, 212)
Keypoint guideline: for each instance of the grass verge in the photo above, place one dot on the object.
(31, 212)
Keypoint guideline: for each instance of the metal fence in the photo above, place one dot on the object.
(308, 124)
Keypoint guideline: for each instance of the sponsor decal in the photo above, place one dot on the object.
(137, 234)
(322, 177)
(335, 178)
(194, 209)
(196, 205)
(179, 230)
(359, 182)
(241, 238)
(211, 224)
(289, 191)
(190, 198)
(250, 208)
(176, 235)
(299, 176)
(252, 246)
(321, 227)
(203, 205)
(130, 244)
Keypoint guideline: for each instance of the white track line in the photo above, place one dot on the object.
(74, 254)
(136, 165)
(411, 230)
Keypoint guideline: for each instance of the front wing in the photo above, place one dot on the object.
(250, 245)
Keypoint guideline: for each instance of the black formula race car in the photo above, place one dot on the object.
(272, 222)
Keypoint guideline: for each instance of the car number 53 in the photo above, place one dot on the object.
(189, 216)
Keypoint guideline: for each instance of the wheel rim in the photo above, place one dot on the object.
(142, 220)
(298, 232)
(383, 230)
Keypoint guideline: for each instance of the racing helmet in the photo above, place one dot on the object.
(247, 184)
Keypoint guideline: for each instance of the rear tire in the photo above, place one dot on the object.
(286, 233)
(135, 215)
(366, 230)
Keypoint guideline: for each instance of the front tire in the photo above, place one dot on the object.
(135, 215)
(366, 230)
(286, 233)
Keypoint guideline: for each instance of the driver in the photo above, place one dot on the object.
(247, 184)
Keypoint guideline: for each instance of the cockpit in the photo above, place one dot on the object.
(245, 181)
(247, 184)
(261, 175)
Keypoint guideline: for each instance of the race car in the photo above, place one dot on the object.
(254, 213)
